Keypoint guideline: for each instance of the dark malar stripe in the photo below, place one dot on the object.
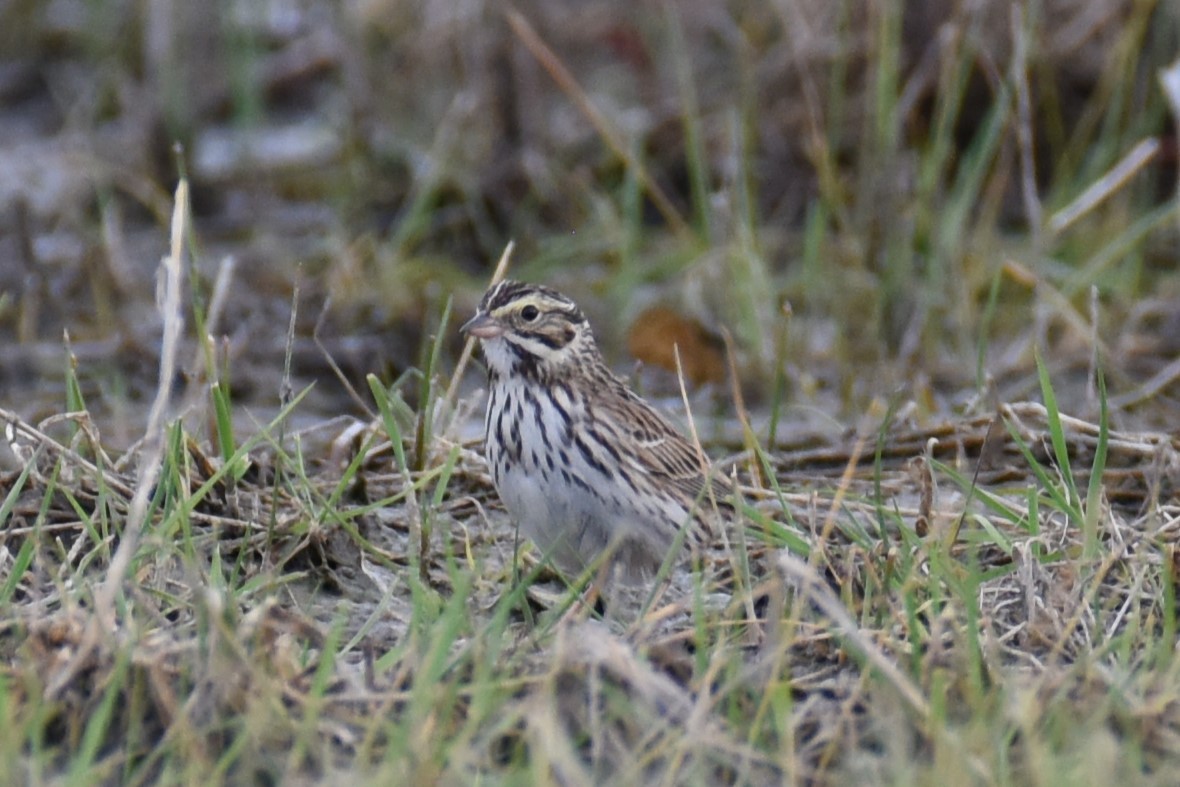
(527, 365)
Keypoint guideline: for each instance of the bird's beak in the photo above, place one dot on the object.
(483, 326)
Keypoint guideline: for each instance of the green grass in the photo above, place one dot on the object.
(230, 669)
(470, 689)
(987, 595)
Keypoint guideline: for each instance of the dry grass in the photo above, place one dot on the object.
(952, 226)
(925, 608)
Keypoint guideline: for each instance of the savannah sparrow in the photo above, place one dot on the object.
(580, 461)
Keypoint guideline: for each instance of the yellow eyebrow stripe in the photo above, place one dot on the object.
(542, 302)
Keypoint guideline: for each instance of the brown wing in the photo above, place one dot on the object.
(659, 450)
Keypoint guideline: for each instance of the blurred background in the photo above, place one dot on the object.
(872, 199)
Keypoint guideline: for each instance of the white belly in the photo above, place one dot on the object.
(570, 509)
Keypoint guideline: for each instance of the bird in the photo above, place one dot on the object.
(592, 473)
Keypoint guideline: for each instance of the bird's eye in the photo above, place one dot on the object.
(529, 313)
